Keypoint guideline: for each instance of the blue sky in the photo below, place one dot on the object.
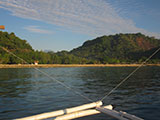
(65, 24)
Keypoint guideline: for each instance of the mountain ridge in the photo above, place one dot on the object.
(119, 48)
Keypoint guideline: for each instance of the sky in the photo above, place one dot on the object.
(66, 24)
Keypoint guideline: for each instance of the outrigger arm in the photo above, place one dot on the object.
(118, 115)
(82, 111)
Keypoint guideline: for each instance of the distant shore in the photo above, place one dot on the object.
(71, 65)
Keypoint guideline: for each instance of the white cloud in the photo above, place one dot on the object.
(93, 17)
(36, 29)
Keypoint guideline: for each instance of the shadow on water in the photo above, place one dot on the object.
(24, 92)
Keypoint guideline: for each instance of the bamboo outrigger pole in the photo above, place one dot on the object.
(62, 112)
(2, 27)
(82, 113)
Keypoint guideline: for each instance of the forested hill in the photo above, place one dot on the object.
(119, 48)
(24, 50)
(13, 43)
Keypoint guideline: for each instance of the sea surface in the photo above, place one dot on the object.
(25, 91)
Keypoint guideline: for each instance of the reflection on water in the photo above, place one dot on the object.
(13, 82)
(25, 92)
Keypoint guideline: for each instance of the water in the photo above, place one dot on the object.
(25, 92)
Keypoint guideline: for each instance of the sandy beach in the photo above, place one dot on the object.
(71, 65)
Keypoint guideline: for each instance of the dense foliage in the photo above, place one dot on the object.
(23, 50)
(119, 48)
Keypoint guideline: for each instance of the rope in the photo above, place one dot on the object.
(108, 93)
(44, 73)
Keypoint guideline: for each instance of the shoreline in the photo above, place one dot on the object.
(71, 65)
